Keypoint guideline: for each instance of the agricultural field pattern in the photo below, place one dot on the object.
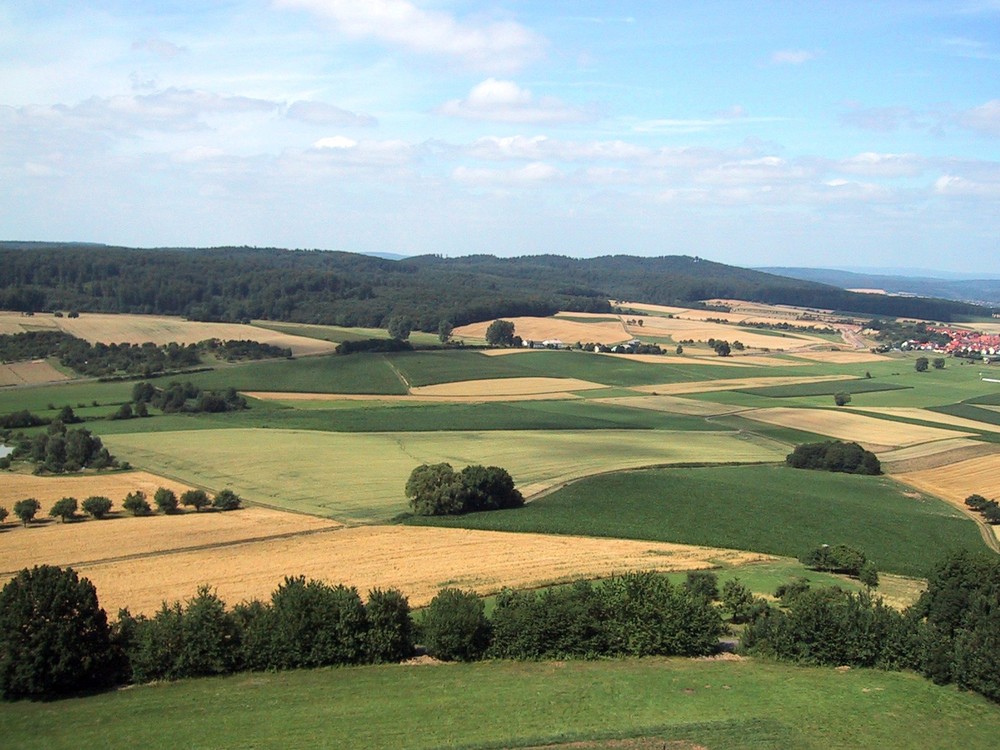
(670, 462)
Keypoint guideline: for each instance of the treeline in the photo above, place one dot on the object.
(951, 635)
(346, 289)
(55, 640)
(145, 360)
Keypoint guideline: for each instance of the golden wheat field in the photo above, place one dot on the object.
(29, 373)
(88, 542)
(958, 480)
(417, 560)
(542, 329)
(160, 329)
(504, 387)
(48, 489)
(844, 425)
(706, 386)
(682, 329)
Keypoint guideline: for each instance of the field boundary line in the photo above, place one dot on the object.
(400, 375)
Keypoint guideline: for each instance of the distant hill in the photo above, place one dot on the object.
(312, 286)
(981, 291)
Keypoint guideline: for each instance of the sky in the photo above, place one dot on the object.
(851, 133)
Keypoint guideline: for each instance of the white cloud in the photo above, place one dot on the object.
(505, 101)
(321, 113)
(873, 164)
(960, 187)
(497, 45)
(528, 174)
(792, 56)
(540, 147)
(159, 47)
(983, 119)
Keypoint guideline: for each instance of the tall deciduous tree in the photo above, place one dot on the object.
(500, 333)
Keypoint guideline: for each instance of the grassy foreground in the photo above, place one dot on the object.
(771, 509)
(718, 704)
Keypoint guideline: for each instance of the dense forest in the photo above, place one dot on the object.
(241, 283)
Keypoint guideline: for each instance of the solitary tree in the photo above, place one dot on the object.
(54, 637)
(97, 505)
(679, 349)
(500, 333)
(444, 331)
(196, 498)
(64, 509)
(842, 398)
(136, 503)
(26, 509)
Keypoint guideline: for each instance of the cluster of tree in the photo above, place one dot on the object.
(920, 364)
(187, 398)
(355, 290)
(841, 558)
(235, 350)
(20, 419)
(724, 348)
(437, 489)
(951, 635)
(896, 333)
(60, 449)
(834, 455)
(989, 508)
(136, 503)
(373, 345)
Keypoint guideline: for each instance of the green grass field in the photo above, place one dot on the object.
(823, 388)
(771, 509)
(360, 476)
(340, 334)
(721, 705)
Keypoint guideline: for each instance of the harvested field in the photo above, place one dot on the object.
(706, 386)
(138, 329)
(958, 480)
(686, 359)
(675, 405)
(417, 560)
(505, 352)
(115, 485)
(115, 539)
(504, 387)
(360, 476)
(29, 373)
(933, 455)
(541, 329)
(843, 425)
(680, 329)
(842, 357)
(926, 415)
(304, 399)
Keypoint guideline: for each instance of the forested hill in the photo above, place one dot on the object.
(360, 290)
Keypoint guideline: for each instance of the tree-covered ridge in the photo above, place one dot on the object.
(357, 290)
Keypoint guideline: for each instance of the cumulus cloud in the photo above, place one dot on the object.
(984, 119)
(792, 56)
(540, 147)
(321, 113)
(504, 101)
(490, 45)
(533, 173)
(960, 187)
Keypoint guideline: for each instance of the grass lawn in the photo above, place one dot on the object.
(723, 705)
(361, 476)
(771, 509)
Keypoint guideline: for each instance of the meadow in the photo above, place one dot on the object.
(772, 509)
(725, 705)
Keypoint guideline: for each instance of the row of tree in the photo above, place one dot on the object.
(137, 503)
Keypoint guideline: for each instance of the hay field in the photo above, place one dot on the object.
(675, 405)
(116, 485)
(540, 329)
(115, 539)
(926, 415)
(360, 477)
(706, 386)
(505, 387)
(845, 425)
(29, 373)
(160, 329)
(417, 560)
(842, 357)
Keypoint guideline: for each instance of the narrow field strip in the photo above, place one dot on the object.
(417, 560)
(675, 405)
(841, 357)
(503, 387)
(708, 386)
(844, 425)
(926, 415)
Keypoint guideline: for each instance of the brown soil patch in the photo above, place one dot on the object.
(541, 329)
(160, 329)
(29, 373)
(417, 560)
(706, 386)
(115, 485)
(845, 425)
(84, 544)
(505, 387)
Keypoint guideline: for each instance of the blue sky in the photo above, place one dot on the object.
(777, 133)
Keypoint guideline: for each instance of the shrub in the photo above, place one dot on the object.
(196, 498)
(703, 583)
(166, 500)
(843, 398)
(455, 627)
(54, 637)
(390, 636)
(97, 506)
(226, 500)
(136, 503)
